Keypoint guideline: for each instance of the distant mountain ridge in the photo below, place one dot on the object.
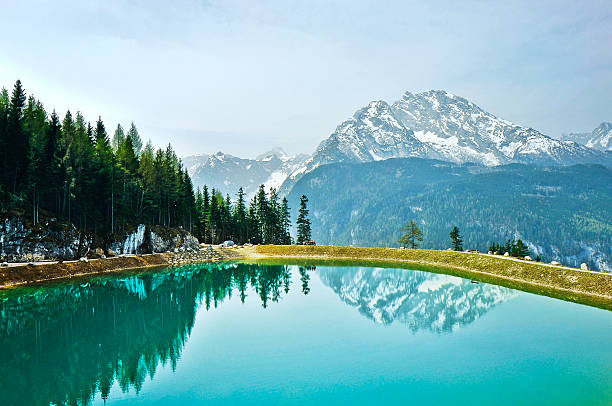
(600, 138)
(434, 124)
(227, 173)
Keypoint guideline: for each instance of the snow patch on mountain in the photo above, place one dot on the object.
(600, 138)
(440, 125)
(227, 173)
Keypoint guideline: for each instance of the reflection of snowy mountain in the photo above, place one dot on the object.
(422, 300)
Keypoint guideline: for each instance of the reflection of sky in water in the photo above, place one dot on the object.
(149, 339)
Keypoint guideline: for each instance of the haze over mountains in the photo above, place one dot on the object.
(433, 124)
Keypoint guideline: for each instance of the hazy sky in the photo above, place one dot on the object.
(245, 76)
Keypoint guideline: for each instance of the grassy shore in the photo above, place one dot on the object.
(591, 288)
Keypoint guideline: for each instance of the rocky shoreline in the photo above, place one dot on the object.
(20, 275)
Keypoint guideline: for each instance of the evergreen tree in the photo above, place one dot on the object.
(240, 217)
(456, 239)
(51, 175)
(135, 137)
(412, 235)
(520, 250)
(16, 162)
(253, 226)
(4, 144)
(285, 222)
(118, 137)
(262, 213)
(303, 222)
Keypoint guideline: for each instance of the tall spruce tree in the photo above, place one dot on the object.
(17, 160)
(456, 239)
(240, 217)
(4, 145)
(303, 222)
(118, 137)
(135, 137)
(285, 222)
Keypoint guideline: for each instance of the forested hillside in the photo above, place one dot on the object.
(69, 169)
(562, 213)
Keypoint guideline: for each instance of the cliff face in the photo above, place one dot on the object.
(53, 240)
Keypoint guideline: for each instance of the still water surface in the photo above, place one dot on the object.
(270, 334)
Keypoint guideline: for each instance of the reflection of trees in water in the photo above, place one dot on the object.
(305, 277)
(62, 344)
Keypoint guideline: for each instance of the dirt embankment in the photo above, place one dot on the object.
(592, 288)
(25, 274)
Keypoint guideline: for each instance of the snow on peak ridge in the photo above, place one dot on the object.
(601, 137)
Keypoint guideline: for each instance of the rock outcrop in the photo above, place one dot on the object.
(22, 242)
(146, 240)
(54, 240)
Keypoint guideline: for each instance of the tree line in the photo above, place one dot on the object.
(71, 170)
(413, 235)
(265, 219)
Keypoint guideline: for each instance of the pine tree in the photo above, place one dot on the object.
(303, 222)
(253, 226)
(118, 137)
(4, 144)
(412, 235)
(285, 222)
(240, 214)
(135, 137)
(17, 159)
(520, 249)
(51, 179)
(456, 239)
(213, 217)
(262, 213)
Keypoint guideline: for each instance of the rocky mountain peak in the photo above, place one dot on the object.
(601, 137)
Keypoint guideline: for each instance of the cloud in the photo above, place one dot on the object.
(292, 70)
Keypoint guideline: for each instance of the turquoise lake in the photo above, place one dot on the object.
(234, 333)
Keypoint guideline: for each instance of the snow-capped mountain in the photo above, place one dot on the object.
(372, 134)
(440, 125)
(421, 300)
(434, 124)
(227, 173)
(600, 138)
